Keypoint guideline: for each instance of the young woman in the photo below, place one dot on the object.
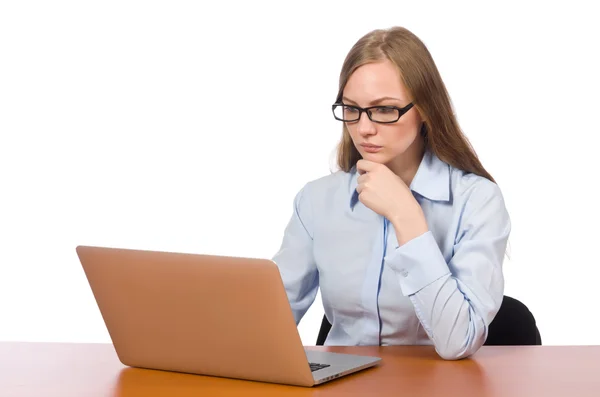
(407, 240)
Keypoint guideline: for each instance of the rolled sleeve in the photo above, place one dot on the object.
(456, 300)
(418, 263)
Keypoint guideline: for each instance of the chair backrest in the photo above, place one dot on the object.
(513, 325)
(323, 331)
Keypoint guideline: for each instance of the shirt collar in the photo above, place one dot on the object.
(431, 181)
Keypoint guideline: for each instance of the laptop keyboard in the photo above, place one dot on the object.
(315, 367)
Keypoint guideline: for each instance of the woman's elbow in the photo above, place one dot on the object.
(448, 353)
(459, 348)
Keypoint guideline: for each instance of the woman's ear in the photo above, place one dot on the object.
(420, 113)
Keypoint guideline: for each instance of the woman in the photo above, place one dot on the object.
(407, 240)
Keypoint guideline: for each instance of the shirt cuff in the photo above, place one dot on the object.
(417, 263)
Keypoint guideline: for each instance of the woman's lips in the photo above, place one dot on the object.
(371, 148)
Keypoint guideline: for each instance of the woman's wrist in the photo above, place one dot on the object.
(408, 229)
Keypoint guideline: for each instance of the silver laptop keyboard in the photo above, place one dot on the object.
(315, 367)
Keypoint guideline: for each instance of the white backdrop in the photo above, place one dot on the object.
(187, 127)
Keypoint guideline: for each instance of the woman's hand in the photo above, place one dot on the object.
(386, 193)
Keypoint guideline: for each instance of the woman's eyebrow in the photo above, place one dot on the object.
(374, 102)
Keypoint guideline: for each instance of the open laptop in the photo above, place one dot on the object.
(208, 315)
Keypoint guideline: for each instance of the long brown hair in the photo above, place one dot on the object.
(441, 131)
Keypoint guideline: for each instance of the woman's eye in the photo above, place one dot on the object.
(384, 110)
(349, 109)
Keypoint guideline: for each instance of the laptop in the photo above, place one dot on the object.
(207, 315)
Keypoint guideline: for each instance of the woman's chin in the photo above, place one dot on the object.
(374, 157)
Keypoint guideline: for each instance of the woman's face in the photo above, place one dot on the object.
(380, 84)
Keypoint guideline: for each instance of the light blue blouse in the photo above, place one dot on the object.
(442, 288)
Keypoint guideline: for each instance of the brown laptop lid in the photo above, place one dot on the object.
(202, 314)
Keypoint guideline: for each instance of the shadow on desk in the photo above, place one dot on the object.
(404, 371)
(135, 382)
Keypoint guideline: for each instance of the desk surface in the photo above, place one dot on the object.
(93, 370)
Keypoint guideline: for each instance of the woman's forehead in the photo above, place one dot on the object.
(374, 81)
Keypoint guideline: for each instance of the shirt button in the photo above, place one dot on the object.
(404, 273)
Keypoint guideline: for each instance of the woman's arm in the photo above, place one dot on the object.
(456, 301)
(295, 258)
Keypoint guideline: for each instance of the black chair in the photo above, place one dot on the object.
(513, 325)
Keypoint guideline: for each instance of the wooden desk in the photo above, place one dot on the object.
(93, 370)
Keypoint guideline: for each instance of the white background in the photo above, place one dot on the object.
(189, 127)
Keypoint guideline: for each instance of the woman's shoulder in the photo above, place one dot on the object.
(329, 184)
(468, 187)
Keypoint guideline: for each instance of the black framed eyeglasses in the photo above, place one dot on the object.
(377, 114)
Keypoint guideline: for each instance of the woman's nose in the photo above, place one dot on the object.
(365, 126)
